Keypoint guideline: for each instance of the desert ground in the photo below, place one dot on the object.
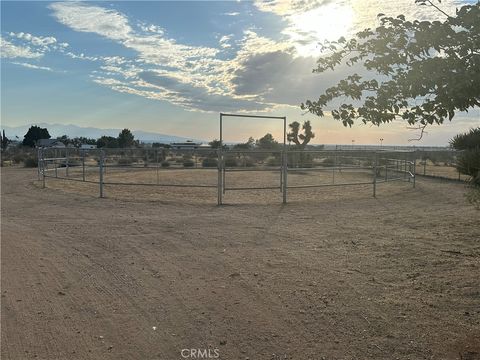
(148, 272)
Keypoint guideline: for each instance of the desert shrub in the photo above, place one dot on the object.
(329, 161)
(18, 158)
(188, 163)
(209, 162)
(165, 164)
(248, 162)
(30, 162)
(231, 162)
(125, 161)
(274, 161)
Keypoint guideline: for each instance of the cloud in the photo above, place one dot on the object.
(35, 40)
(11, 51)
(95, 19)
(31, 66)
(233, 13)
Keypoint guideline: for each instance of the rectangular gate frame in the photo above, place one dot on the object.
(221, 167)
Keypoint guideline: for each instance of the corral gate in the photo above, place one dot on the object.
(222, 169)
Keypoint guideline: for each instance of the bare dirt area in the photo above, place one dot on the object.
(334, 274)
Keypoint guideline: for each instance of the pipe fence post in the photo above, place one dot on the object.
(156, 160)
(285, 172)
(66, 162)
(414, 168)
(375, 175)
(83, 165)
(220, 177)
(38, 163)
(101, 173)
(43, 168)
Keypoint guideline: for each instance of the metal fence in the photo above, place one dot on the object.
(227, 170)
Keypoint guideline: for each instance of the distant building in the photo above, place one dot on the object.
(188, 145)
(87, 147)
(50, 143)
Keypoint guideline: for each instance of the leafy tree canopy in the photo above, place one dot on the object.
(467, 141)
(126, 139)
(301, 140)
(107, 141)
(247, 145)
(33, 134)
(267, 142)
(425, 71)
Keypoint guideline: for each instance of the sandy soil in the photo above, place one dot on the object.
(332, 275)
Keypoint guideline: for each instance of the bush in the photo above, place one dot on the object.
(248, 162)
(209, 162)
(18, 158)
(231, 162)
(188, 163)
(165, 164)
(125, 161)
(273, 161)
(329, 161)
(30, 162)
(468, 163)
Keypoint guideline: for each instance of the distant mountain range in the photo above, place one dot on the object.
(91, 132)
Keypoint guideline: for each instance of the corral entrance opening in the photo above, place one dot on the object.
(229, 160)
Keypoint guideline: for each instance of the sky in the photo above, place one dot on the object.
(172, 67)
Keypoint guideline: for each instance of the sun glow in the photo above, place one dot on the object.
(328, 22)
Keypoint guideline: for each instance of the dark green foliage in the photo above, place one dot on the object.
(466, 141)
(33, 134)
(30, 162)
(215, 144)
(274, 161)
(267, 142)
(428, 70)
(209, 162)
(468, 162)
(245, 146)
(188, 163)
(126, 139)
(107, 142)
(231, 162)
(165, 164)
(125, 161)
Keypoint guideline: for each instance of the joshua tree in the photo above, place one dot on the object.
(300, 140)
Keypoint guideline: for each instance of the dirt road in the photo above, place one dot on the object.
(395, 277)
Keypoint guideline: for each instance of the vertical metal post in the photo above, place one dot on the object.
(83, 165)
(375, 174)
(43, 168)
(56, 167)
(66, 162)
(38, 163)
(405, 168)
(334, 165)
(285, 160)
(220, 175)
(101, 173)
(414, 168)
(156, 160)
(281, 173)
(386, 169)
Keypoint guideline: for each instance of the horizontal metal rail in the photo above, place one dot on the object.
(162, 185)
(325, 185)
(254, 188)
(253, 116)
(327, 168)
